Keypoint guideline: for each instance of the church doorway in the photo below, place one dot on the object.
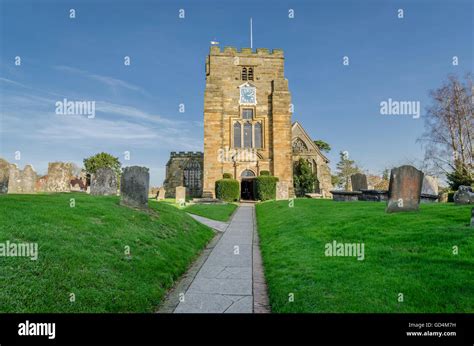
(247, 185)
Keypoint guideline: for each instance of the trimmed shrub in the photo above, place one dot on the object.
(228, 190)
(265, 186)
(227, 176)
(264, 173)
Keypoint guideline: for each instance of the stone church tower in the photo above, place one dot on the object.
(247, 117)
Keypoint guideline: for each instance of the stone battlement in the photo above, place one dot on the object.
(232, 51)
(186, 154)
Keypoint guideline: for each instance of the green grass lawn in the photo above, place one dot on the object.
(82, 251)
(219, 212)
(408, 253)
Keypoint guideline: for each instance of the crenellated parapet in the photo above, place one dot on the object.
(186, 154)
(233, 51)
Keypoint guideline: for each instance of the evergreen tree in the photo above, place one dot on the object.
(346, 168)
(303, 178)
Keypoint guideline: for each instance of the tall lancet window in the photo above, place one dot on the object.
(244, 73)
(247, 135)
(237, 135)
(258, 135)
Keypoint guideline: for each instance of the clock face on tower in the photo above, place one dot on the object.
(248, 94)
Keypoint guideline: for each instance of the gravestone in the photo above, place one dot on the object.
(4, 175)
(463, 195)
(104, 182)
(161, 194)
(180, 194)
(404, 189)
(429, 189)
(282, 191)
(359, 182)
(430, 185)
(472, 217)
(59, 177)
(21, 181)
(134, 187)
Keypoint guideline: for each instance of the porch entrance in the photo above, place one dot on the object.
(247, 185)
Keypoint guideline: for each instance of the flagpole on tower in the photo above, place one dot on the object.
(251, 34)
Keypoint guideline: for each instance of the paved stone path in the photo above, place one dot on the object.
(224, 283)
(217, 225)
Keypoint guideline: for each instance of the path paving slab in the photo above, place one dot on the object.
(224, 283)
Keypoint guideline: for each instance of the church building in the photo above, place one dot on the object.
(247, 128)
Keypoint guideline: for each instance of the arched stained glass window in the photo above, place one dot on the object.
(192, 175)
(247, 174)
(247, 135)
(237, 135)
(258, 135)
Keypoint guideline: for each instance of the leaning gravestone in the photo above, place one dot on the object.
(21, 181)
(430, 185)
(59, 177)
(4, 175)
(404, 189)
(180, 194)
(464, 195)
(429, 189)
(161, 194)
(359, 182)
(104, 182)
(282, 190)
(134, 186)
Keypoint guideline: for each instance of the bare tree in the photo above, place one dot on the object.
(449, 126)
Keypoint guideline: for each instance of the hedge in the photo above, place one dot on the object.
(265, 173)
(227, 176)
(228, 190)
(265, 186)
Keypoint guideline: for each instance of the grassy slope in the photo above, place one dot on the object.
(219, 212)
(81, 251)
(409, 253)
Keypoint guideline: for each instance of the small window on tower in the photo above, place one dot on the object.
(247, 113)
(244, 73)
(250, 73)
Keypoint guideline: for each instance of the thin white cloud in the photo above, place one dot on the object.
(111, 82)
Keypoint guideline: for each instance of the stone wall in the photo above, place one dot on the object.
(59, 177)
(4, 175)
(21, 181)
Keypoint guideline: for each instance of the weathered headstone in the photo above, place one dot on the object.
(443, 197)
(21, 181)
(134, 187)
(161, 194)
(404, 189)
(104, 182)
(430, 185)
(4, 175)
(282, 191)
(359, 182)
(59, 177)
(464, 195)
(180, 194)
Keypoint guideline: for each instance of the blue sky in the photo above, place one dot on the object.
(138, 105)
